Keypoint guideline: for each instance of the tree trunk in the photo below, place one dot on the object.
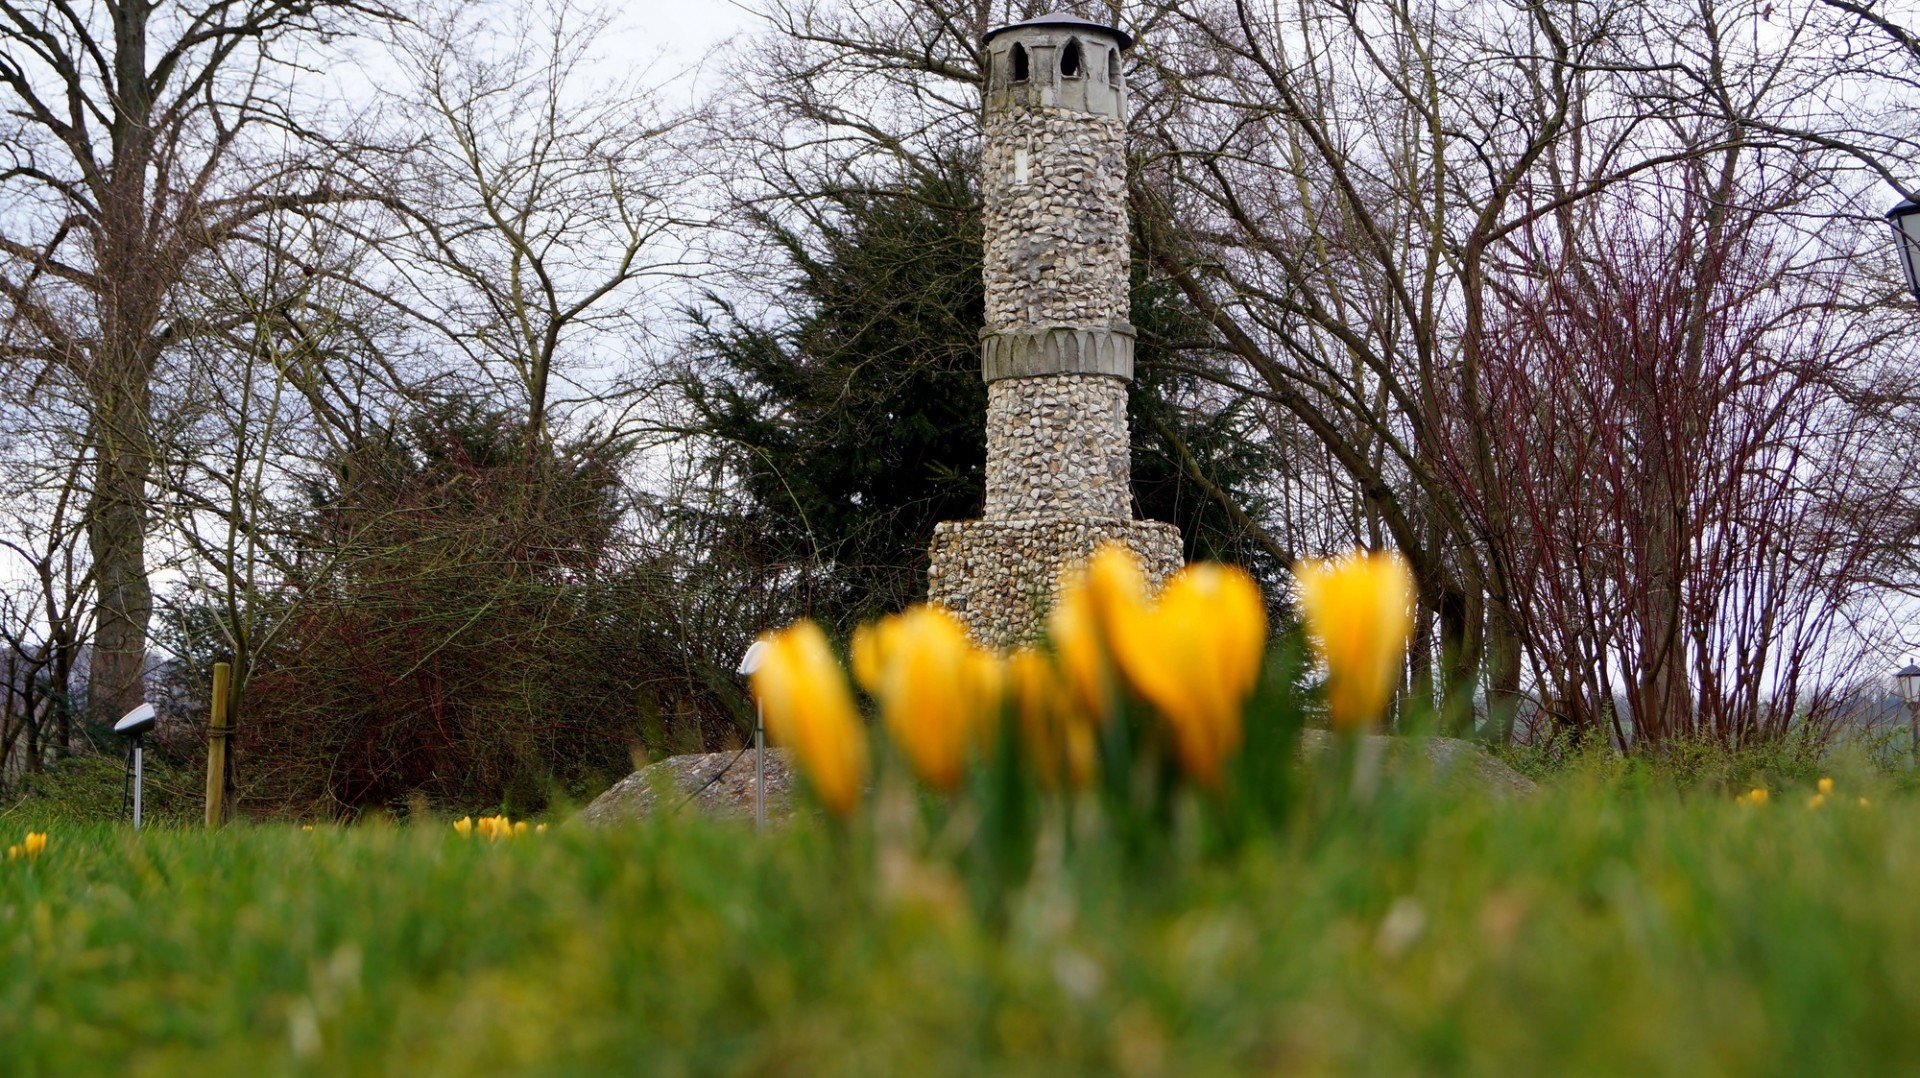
(1665, 706)
(136, 266)
(1459, 657)
(116, 538)
(1503, 670)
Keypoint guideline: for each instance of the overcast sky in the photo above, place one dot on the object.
(681, 29)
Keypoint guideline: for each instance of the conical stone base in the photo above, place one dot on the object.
(1001, 577)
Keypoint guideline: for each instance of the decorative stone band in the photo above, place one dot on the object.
(1029, 351)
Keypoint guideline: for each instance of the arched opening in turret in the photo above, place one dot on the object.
(1070, 60)
(1019, 62)
(1113, 67)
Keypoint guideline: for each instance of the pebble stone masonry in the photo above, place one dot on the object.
(1057, 351)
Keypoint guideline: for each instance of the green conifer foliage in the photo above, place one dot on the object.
(853, 422)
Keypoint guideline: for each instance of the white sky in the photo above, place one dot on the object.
(680, 31)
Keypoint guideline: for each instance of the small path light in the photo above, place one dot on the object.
(1907, 683)
(135, 724)
(748, 664)
(1905, 219)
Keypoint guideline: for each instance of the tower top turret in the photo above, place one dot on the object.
(1058, 60)
(1067, 20)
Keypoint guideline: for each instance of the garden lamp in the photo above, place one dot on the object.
(134, 725)
(748, 664)
(1907, 683)
(1905, 219)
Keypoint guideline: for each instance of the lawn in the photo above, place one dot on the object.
(1608, 923)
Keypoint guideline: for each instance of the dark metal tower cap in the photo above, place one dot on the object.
(1064, 20)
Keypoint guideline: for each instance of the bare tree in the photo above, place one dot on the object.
(138, 138)
(303, 370)
(1681, 470)
(47, 613)
(538, 202)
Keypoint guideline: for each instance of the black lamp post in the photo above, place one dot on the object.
(1905, 219)
(1907, 683)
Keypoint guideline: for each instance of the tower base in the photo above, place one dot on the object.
(1000, 577)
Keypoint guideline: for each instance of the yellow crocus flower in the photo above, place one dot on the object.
(1359, 613)
(1115, 583)
(464, 825)
(30, 848)
(1074, 628)
(810, 709)
(939, 694)
(1059, 735)
(868, 652)
(1194, 654)
(1825, 785)
(1109, 589)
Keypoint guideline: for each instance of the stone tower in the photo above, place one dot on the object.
(1057, 350)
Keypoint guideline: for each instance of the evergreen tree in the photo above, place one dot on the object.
(846, 432)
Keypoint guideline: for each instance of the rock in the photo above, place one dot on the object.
(720, 784)
(716, 783)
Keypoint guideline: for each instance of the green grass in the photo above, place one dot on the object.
(1607, 925)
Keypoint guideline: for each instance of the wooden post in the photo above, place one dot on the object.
(217, 747)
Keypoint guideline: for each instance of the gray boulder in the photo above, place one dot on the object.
(721, 783)
(713, 783)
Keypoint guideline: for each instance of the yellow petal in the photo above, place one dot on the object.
(1059, 736)
(1074, 629)
(1359, 613)
(936, 694)
(810, 710)
(869, 655)
(1195, 656)
(1115, 582)
(986, 686)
